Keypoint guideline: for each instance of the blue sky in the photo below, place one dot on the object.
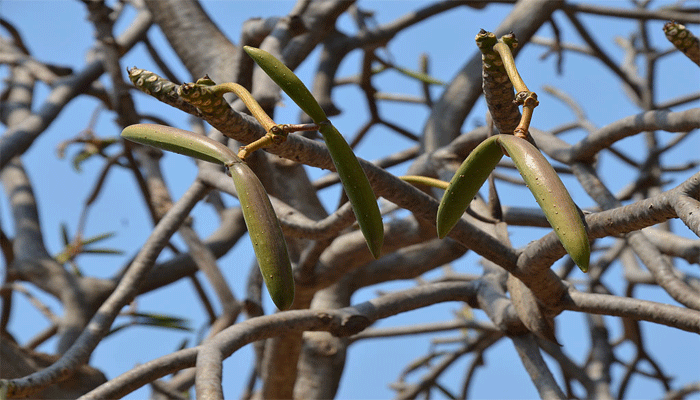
(57, 32)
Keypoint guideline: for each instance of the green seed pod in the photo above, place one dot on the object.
(357, 187)
(552, 196)
(181, 142)
(352, 176)
(288, 82)
(466, 183)
(260, 218)
(265, 234)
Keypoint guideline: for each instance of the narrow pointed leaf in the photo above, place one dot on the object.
(164, 321)
(423, 77)
(117, 328)
(102, 251)
(82, 156)
(64, 234)
(97, 238)
(156, 320)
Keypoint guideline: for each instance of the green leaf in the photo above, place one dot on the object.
(102, 251)
(423, 77)
(97, 238)
(161, 320)
(155, 320)
(82, 156)
(64, 234)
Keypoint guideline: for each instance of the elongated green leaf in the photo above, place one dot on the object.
(266, 234)
(466, 182)
(155, 320)
(181, 142)
(64, 234)
(102, 251)
(83, 156)
(423, 77)
(97, 238)
(552, 196)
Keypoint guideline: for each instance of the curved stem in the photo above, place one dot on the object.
(247, 99)
(509, 64)
(424, 180)
(524, 96)
(275, 135)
